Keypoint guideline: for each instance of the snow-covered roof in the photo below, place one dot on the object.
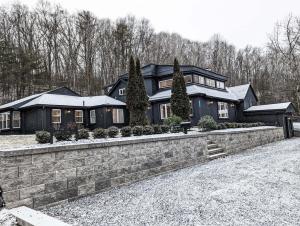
(75, 101)
(20, 101)
(268, 107)
(240, 91)
(194, 89)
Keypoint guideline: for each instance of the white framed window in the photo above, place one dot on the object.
(118, 115)
(199, 79)
(122, 92)
(165, 110)
(16, 120)
(223, 110)
(4, 120)
(92, 116)
(56, 116)
(210, 82)
(188, 79)
(165, 83)
(220, 85)
(79, 116)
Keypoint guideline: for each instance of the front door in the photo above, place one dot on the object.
(68, 119)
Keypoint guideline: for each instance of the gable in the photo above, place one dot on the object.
(64, 91)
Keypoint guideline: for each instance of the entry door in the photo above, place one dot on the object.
(68, 118)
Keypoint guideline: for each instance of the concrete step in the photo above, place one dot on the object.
(209, 142)
(219, 155)
(215, 151)
(211, 146)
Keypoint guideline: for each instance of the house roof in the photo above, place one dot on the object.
(195, 89)
(240, 91)
(269, 107)
(74, 101)
(20, 101)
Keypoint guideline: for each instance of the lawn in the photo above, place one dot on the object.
(260, 186)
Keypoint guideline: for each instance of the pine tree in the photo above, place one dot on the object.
(180, 103)
(131, 91)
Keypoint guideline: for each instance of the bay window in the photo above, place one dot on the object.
(165, 111)
(223, 110)
(16, 121)
(79, 116)
(92, 116)
(4, 120)
(56, 116)
(118, 115)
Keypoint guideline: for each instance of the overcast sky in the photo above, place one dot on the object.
(240, 22)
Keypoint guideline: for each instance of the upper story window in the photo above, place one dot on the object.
(188, 79)
(118, 115)
(165, 110)
(199, 79)
(4, 120)
(92, 116)
(79, 116)
(122, 92)
(165, 83)
(16, 121)
(220, 85)
(210, 82)
(223, 109)
(56, 116)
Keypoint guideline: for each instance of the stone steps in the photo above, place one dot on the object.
(214, 151)
(219, 155)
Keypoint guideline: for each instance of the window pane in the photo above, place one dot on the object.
(56, 116)
(92, 116)
(188, 78)
(16, 119)
(196, 78)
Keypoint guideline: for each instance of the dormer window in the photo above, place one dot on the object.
(220, 85)
(122, 92)
(210, 82)
(165, 83)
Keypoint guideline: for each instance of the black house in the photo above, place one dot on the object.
(207, 91)
(59, 107)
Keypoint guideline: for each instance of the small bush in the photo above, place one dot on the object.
(63, 135)
(99, 133)
(42, 137)
(137, 130)
(148, 130)
(126, 131)
(173, 120)
(165, 128)
(112, 131)
(207, 123)
(157, 129)
(82, 134)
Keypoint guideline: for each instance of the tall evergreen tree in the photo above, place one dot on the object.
(141, 96)
(180, 103)
(131, 91)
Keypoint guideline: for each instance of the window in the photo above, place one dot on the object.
(223, 109)
(16, 123)
(122, 92)
(165, 111)
(165, 83)
(199, 79)
(188, 79)
(56, 116)
(78, 116)
(191, 108)
(210, 82)
(118, 115)
(4, 120)
(92, 116)
(220, 85)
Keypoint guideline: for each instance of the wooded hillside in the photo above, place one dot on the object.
(47, 47)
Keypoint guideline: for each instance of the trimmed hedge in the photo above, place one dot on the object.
(230, 125)
(126, 131)
(157, 129)
(112, 131)
(63, 135)
(137, 130)
(148, 130)
(99, 133)
(42, 137)
(82, 134)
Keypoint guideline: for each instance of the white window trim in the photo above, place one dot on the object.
(81, 117)
(122, 92)
(218, 84)
(19, 120)
(165, 107)
(211, 80)
(57, 115)
(5, 122)
(117, 120)
(93, 117)
(223, 113)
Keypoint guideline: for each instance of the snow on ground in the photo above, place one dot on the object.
(256, 187)
(296, 126)
(13, 142)
(6, 219)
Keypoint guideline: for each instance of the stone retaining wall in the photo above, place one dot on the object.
(44, 176)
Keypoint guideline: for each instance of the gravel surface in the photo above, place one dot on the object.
(260, 186)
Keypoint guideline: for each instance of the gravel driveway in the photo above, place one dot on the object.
(260, 186)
